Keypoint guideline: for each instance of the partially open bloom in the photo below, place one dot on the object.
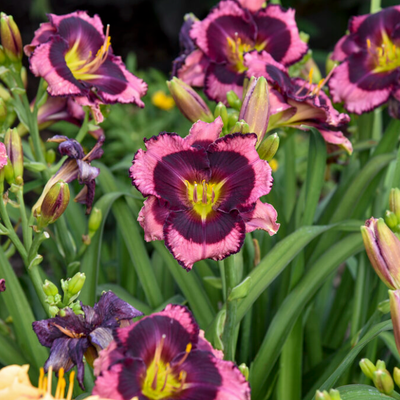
(16, 385)
(74, 56)
(370, 55)
(227, 34)
(164, 356)
(383, 249)
(203, 192)
(2, 285)
(296, 102)
(76, 166)
(72, 336)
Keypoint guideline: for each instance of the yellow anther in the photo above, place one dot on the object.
(189, 347)
(50, 376)
(71, 385)
(310, 75)
(41, 378)
(369, 43)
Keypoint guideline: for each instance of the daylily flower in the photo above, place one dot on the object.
(72, 336)
(297, 102)
(16, 385)
(383, 249)
(370, 55)
(76, 166)
(203, 192)
(74, 56)
(227, 34)
(163, 356)
(2, 285)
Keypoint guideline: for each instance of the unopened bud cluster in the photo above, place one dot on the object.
(332, 395)
(380, 376)
(71, 288)
(11, 42)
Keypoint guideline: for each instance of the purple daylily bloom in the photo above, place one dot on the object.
(203, 192)
(76, 166)
(164, 356)
(296, 102)
(75, 58)
(2, 285)
(370, 54)
(226, 35)
(73, 336)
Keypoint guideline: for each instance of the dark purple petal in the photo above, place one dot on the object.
(220, 79)
(86, 195)
(97, 150)
(87, 173)
(344, 47)
(161, 171)
(226, 21)
(152, 217)
(101, 338)
(235, 162)
(2, 285)
(71, 148)
(59, 355)
(76, 350)
(190, 239)
(277, 28)
(42, 35)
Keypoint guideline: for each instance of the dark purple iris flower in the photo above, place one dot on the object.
(296, 102)
(2, 285)
(74, 56)
(73, 336)
(164, 356)
(76, 166)
(370, 54)
(226, 35)
(203, 192)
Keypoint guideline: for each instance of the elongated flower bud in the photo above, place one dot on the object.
(396, 376)
(269, 147)
(3, 110)
(255, 108)
(220, 111)
(75, 284)
(383, 249)
(233, 100)
(394, 297)
(335, 394)
(54, 204)
(95, 221)
(190, 104)
(391, 219)
(49, 288)
(10, 38)
(394, 202)
(240, 127)
(13, 144)
(383, 381)
(367, 367)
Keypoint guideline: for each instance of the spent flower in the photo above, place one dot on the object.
(2, 285)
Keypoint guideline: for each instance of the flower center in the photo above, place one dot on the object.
(236, 51)
(85, 69)
(161, 380)
(386, 56)
(203, 196)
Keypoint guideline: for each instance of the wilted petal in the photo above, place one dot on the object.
(59, 355)
(152, 217)
(262, 217)
(101, 338)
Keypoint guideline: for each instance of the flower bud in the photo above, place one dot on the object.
(24, 77)
(54, 310)
(380, 365)
(3, 57)
(322, 395)
(396, 376)
(367, 367)
(2, 285)
(240, 127)
(394, 202)
(255, 108)
(233, 100)
(3, 163)
(244, 369)
(95, 219)
(383, 381)
(383, 249)
(13, 144)
(190, 104)
(49, 288)
(269, 147)
(391, 219)
(50, 156)
(334, 394)
(4, 93)
(394, 299)
(220, 111)
(10, 38)
(3, 110)
(75, 284)
(54, 204)
(233, 117)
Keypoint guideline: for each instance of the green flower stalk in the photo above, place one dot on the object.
(255, 108)
(54, 204)
(10, 38)
(190, 104)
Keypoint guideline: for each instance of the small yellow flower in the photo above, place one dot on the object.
(161, 100)
(274, 164)
(15, 385)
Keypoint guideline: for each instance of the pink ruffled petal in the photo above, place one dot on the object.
(277, 27)
(193, 70)
(203, 133)
(344, 47)
(205, 345)
(190, 239)
(356, 21)
(252, 5)
(235, 161)
(3, 155)
(356, 100)
(262, 217)
(42, 35)
(152, 217)
(336, 137)
(257, 65)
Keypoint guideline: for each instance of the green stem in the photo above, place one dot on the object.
(26, 230)
(221, 265)
(84, 128)
(375, 6)
(229, 336)
(11, 233)
(396, 175)
(290, 176)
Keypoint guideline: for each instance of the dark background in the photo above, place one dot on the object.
(150, 27)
